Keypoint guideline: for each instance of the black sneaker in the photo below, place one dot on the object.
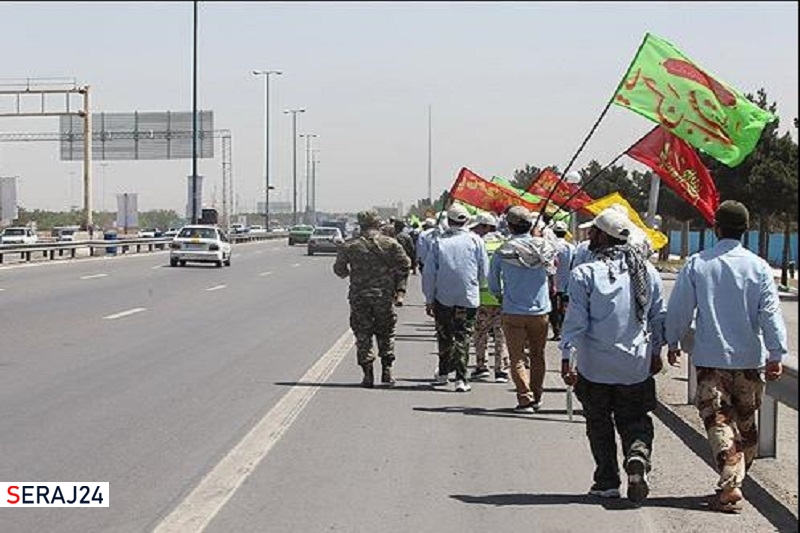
(525, 409)
(480, 373)
(500, 376)
(638, 488)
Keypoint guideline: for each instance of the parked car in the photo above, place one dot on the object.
(201, 244)
(325, 240)
(18, 235)
(299, 234)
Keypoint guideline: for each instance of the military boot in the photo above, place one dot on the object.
(386, 376)
(369, 377)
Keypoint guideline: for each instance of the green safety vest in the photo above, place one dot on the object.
(487, 298)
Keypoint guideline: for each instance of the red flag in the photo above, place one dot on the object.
(547, 180)
(678, 165)
(478, 192)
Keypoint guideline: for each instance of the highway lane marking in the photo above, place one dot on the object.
(216, 287)
(212, 493)
(156, 267)
(296, 265)
(129, 312)
(267, 273)
(94, 276)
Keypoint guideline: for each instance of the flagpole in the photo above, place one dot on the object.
(599, 172)
(594, 127)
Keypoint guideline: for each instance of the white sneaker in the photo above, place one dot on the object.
(462, 386)
(439, 379)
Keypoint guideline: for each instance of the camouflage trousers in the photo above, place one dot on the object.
(373, 316)
(488, 321)
(728, 401)
(454, 328)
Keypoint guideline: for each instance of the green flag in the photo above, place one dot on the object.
(670, 89)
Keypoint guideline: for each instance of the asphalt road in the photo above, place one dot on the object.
(227, 400)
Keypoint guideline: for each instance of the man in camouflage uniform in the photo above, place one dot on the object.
(374, 263)
(739, 342)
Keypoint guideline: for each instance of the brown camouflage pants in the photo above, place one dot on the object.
(489, 320)
(373, 315)
(727, 401)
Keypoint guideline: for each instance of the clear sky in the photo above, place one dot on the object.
(508, 83)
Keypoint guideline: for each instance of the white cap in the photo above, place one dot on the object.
(559, 225)
(458, 213)
(612, 222)
(485, 218)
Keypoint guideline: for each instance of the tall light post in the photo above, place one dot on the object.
(294, 113)
(314, 162)
(267, 186)
(195, 189)
(308, 137)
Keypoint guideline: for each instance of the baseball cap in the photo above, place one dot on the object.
(458, 213)
(612, 222)
(518, 215)
(559, 225)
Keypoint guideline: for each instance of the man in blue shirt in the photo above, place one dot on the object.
(518, 278)
(740, 332)
(455, 266)
(615, 322)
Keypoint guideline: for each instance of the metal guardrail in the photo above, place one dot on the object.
(782, 391)
(51, 250)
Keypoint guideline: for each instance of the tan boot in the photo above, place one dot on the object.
(386, 376)
(398, 299)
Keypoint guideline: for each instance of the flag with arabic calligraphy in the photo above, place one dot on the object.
(547, 180)
(534, 199)
(665, 86)
(679, 168)
(472, 189)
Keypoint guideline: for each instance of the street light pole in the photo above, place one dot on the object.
(314, 185)
(266, 74)
(308, 137)
(194, 207)
(294, 113)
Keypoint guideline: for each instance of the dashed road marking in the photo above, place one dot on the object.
(267, 273)
(216, 287)
(94, 276)
(129, 312)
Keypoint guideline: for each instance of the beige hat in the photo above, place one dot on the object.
(487, 219)
(560, 225)
(458, 213)
(612, 222)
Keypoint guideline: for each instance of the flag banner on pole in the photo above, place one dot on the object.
(533, 198)
(472, 189)
(658, 239)
(547, 180)
(680, 169)
(665, 86)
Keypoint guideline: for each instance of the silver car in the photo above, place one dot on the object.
(324, 240)
(200, 244)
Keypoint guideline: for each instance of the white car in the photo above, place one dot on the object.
(147, 233)
(324, 239)
(18, 235)
(200, 244)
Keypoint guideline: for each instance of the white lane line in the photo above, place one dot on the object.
(1, 290)
(216, 287)
(267, 273)
(296, 265)
(125, 313)
(156, 267)
(94, 276)
(218, 486)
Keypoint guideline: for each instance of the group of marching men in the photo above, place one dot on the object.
(510, 277)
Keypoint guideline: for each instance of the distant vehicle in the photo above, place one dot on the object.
(255, 228)
(149, 233)
(299, 234)
(325, 240)
(209, 216)
(171, 232)
(238, 229)
(341, 224)
(18, 235)
(64, 233)
(202, 244)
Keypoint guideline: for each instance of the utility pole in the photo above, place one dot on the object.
(267, 186)
(294, 113)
